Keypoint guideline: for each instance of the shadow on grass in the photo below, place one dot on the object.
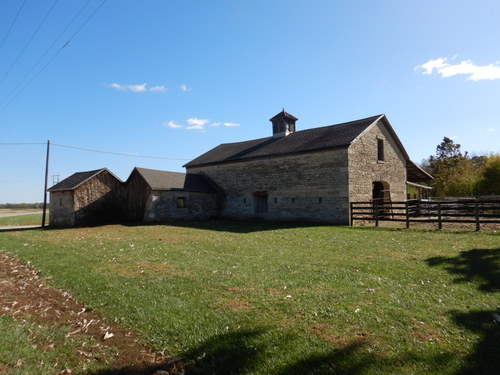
(485, 359)
(481, 266)
(235, 226)
(244, 352)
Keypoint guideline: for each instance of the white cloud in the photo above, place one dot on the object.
(454, 137)
(231, 124)
(184, 88)
(490, 129)
(172, 125)
(160, 88)
(117, 86)
(137, 88)
(467, 67)
(196, 123)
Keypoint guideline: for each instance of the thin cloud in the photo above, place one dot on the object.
(158, 89)
(490, 130)
(172, 125)
(195, 123)
(184, 88)
(137, 88)
(475, 72)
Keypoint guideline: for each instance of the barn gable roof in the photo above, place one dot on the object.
(333, 136)
(165, 180)
(78, 178)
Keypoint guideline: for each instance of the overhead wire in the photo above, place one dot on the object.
(12, 24)
(29, 41)
(5, 106)
(45, 53)
(91, 150)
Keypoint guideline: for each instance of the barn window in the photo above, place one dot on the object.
(320, 200)
(293, 200)
(244, 200)
(275, 200)
(380, 149)
(181, 202)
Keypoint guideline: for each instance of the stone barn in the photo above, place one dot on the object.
(86, 198)
(311, 174)
(156, 196)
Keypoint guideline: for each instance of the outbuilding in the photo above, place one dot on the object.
(86, 198)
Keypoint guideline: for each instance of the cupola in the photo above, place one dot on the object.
(283, 124)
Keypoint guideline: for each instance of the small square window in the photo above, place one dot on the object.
(181, 202)
(380, 149)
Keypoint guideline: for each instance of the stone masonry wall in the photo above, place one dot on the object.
(98, 200)
(162, 206)
(364, 167)
(309, 186)
(61, 209)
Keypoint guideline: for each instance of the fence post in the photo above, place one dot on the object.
(407, 215)
(440, 223)
(375, 207)
(476, 207)
(352, 219)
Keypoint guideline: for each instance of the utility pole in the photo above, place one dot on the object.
(46, 182)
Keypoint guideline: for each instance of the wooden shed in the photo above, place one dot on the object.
(153, 196)
(86, 198)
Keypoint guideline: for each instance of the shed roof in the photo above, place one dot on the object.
(165, 180)
(78, 178)
(333, 136)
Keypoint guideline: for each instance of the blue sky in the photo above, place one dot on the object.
(173, 79)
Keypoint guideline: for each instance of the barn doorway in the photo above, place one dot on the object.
(381, 191)
(260, 205)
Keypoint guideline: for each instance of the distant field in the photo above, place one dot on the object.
(256, 298)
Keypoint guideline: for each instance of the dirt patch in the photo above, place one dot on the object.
(24, 295)
(236, 305)
(423, 332)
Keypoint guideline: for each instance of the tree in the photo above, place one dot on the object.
(489, 183)
(455, 174)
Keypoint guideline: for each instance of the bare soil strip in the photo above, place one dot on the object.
(24, 295)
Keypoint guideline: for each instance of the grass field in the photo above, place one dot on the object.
(258, 298)
(27, 219)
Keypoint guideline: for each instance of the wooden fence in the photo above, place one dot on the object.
(469, 210)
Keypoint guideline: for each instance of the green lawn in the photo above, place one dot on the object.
(258, 298)
(28, 219)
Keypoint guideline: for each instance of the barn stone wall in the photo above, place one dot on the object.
(164, 206)
(309, 186)
(98, 200)
(62, 213)
(365, 168)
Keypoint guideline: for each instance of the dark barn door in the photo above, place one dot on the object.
(260, 204)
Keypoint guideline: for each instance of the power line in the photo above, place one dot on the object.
(29, 41)
(117, 153)
(52, 58)
(91, 150)
(45, 53)
(13, 23)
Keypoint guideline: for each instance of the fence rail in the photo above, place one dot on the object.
(469, 210)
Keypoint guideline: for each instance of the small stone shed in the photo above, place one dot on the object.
(154, 196)
(86, 198)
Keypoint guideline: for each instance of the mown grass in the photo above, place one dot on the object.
(27, 219)
(259, 298)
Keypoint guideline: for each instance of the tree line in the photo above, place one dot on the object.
(21, 205)
(456, 173)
